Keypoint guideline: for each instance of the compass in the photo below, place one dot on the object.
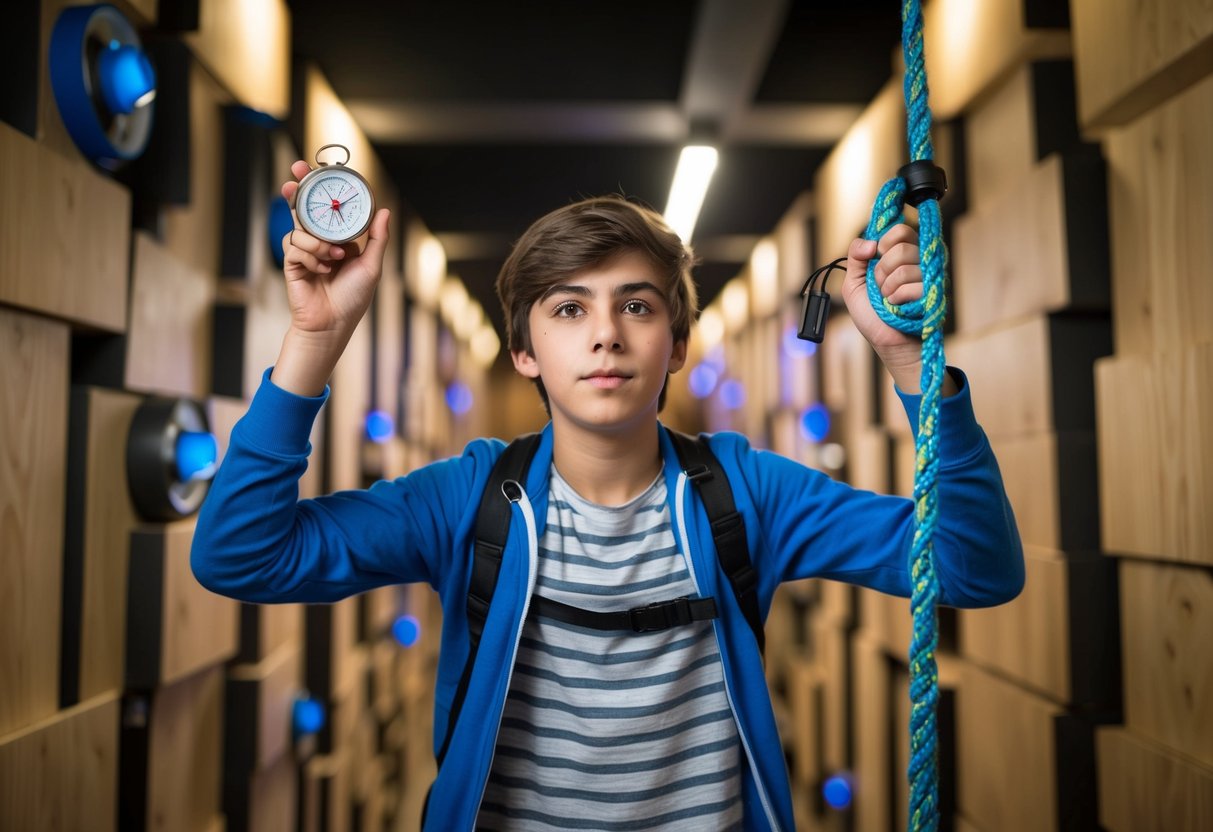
(334, 203)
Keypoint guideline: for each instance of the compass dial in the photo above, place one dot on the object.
(334, 205)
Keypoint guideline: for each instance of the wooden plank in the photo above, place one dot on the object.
(174, 626)
(168, 348)
(886, 620)
(273, 797)
(872, 735)
(1038, 245)
(62, 772)
(1167, 616)
(870, 464)
(246, 44)
(830, 656)
(1007, 754)
(1159, 168)
(347, 409)
(260, 698)
(970, 46)
(848, 380)
(1145, 787)
(1054, 637)
(1050, 479)
(1153, 433)
(65, 253)
(326, 795)
(104, 545)
(1035, 375)
(1131, 55)
(33, 459)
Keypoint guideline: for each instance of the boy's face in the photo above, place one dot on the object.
(602, 345)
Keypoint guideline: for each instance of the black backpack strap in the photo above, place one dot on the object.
(651, 618)
(728, 527)
(492, 530)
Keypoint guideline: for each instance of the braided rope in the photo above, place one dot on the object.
(923, 317)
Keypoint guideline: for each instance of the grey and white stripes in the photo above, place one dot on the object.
(614, 730)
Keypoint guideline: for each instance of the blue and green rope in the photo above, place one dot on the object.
(923, 317)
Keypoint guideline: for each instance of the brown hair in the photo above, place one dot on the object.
(585, 235)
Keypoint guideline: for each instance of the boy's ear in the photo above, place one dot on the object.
(678, 357)
(525, 363)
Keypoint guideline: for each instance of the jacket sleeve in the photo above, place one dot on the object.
(814, 526)
(257, 542)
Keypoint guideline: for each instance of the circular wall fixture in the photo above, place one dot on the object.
(171, 457)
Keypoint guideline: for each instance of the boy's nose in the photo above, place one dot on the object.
(607, 335)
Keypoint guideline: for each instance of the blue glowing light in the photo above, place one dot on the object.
(127, 79)
(197, 455)
(406, 630)
(379, 426)
(815, 423)
(702, 380)
(732, 394)
(458, 398)
(794, 346)
(281, 222)
(307, 716)
(837, 792)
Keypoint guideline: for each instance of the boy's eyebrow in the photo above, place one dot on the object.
(584, 291)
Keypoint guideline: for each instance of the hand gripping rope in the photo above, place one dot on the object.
(921, 184)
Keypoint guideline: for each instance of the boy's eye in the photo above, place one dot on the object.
(567, 310)
(636, 307)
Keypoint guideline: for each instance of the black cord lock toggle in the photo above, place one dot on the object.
(924, 180)
(816, 308)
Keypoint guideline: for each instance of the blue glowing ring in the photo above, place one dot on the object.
(74, 77)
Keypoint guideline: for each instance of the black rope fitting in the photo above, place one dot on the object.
(924, 180)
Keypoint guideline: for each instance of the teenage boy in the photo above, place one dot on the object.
(567, 726)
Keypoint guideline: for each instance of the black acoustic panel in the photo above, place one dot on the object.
(1078, 491)
(20, 67)
(134, 755)
(98, 359)
(1076, 341)
(1093, 609)
(161, 175)
(250, 635)
(178, 16)
(241, 729)
(318, 665)
(1055, 108)
(247, 186)
(1046, 14)
(1076, 772)
(73, 548)
(145, 610)
(1088, 242)
(228, 323)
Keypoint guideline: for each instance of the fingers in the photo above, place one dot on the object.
(376, 244)
(313, 254)
(896, 235)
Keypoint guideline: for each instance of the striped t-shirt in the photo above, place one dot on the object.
(614, 730)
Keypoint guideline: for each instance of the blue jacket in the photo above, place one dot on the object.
(257, 542)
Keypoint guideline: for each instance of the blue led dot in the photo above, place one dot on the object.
(837, 791)
(815, 423)
(732, 394)
(197, 453)
(406, 629)
(379, 426)
(795, 346)
(702, 380)
(459, 398)
(127, 79)
(307, 716)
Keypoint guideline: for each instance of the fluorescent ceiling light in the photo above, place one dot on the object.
(695, 168)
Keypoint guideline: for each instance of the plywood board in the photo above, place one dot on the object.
(1167, 616)
(273, 798)
(260, 697)
(869, 464)
(872, 735)
(1132, 55)
(830, 656)
(1160, 210)
(1050, 479)
(1006, 754)
(347, 409)
(184, 768)
(970, 46)
(1146, 787)
(66, 253)
(1156, 454)
(33, 459)
(1039, 245)
(62, 772)
(886, 620)
(246, 44)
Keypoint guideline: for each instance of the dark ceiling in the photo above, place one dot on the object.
(490, 114)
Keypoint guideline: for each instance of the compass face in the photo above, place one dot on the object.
(334, 205)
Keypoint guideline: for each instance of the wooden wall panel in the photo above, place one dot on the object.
(872, 738)
(886, 620)
(346, 411)
(109, 518)
(1039, 245)
(1006, 754)
(260, 698)
(247, 45)
(1000, 137)
(1144, 787)
(1168, 655)
(970, 46)
(168, 348)
(273, 797)
(174, 626)
(1156, 454)
(848, 380)
(33, 459)
(62, 773)
(65, 253)
(1133, 55)
(1050, 480)
(1159, 170)
(869, 464)
(1035, 375)
(326, 795)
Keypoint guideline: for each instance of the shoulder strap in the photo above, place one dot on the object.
(492, 530)
(728, 527)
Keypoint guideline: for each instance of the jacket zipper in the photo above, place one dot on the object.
(524, 504)
(680, 495)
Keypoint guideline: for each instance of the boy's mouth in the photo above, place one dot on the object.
(607, 379)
